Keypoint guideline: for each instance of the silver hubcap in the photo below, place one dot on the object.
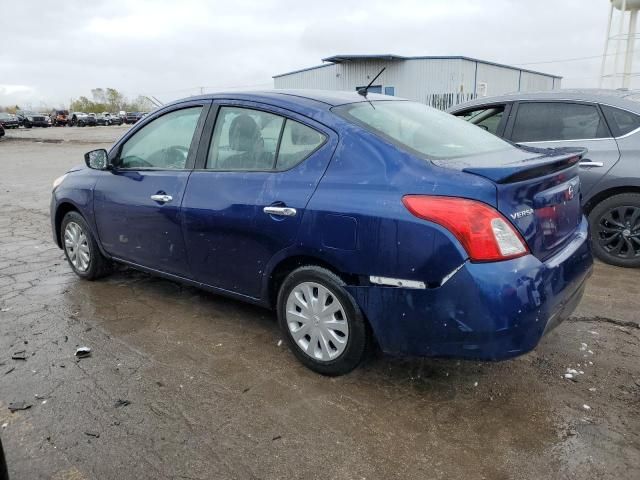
(77, 247)
(317, 321)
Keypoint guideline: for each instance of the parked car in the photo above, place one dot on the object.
(115, 119)
(103, 119)
(8, 120)
(131, 117)
(59, 118)
(607, 123)
(81, 119)
(357, 220)
(31, 119)
(106, 118)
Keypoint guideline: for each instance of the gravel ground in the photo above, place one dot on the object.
(183, 384)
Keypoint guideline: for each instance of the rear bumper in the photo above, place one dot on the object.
(487, 311)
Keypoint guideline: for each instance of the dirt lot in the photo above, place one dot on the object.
(212, 394)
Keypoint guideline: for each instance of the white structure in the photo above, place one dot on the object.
(625, 43)
(437, 81)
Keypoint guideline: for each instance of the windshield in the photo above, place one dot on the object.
(421, 129)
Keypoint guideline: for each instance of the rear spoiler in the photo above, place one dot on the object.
(549, 161)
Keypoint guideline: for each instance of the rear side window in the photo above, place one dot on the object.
(422, 130)
(487, 118)
(245, 139)
(298, 142)
(546, 121)
(621, 121)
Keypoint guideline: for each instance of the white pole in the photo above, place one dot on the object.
(631, 43)
(606, 46)
(619, 42)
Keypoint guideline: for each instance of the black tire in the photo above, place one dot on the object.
(358, 335)
(99, 266)
(615, 230)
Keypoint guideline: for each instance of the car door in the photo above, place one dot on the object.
(491, 117)
(137, 202)
(257, 169)
(553, 124)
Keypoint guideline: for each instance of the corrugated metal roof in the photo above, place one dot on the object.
(391, 57)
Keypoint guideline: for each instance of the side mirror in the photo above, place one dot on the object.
(97, 159)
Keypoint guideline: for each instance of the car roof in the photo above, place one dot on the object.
(626, 99)
(324, 99)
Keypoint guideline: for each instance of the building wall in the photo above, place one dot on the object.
(441, 83)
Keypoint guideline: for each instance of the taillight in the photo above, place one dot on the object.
(483, 232)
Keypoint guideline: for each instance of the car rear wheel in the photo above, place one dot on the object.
(615, 230)
(321, 321)
(81, 249)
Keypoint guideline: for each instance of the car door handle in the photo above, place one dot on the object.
(161, 198)
(281, 211)
(589, 163)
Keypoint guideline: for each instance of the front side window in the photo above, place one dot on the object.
(164, 143)
(487, 118)
(421, 129)
(245, 139)
(546, 121)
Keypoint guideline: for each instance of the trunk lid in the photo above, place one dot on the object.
(538, 191)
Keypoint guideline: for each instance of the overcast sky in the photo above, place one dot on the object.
(53, 51)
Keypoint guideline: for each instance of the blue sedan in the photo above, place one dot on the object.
(362, 220)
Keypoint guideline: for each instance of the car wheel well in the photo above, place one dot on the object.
(62, 210)
(288, 265)
(603, 195)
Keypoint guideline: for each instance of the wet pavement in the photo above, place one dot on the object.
(213, 394)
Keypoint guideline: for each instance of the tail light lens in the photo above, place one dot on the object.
(484, 233)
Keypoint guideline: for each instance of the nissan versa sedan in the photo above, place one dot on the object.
(362, 220)
(607, 123)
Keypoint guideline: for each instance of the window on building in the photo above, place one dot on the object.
(390, 91)
(546, 121)
(372, 88)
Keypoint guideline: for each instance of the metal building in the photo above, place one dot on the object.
(437, 81)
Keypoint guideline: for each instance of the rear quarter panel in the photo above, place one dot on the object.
(356, 220)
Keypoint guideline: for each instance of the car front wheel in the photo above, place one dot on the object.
(615, 230)
(81, 249)
(321, 321)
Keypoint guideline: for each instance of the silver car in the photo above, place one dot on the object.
(607, 123)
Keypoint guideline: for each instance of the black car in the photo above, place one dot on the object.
(31, 119)
(9, 121)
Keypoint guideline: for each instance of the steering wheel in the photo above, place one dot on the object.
(176, 156)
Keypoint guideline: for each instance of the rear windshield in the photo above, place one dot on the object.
(421, 129)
